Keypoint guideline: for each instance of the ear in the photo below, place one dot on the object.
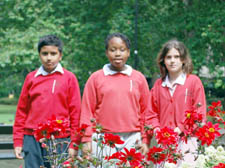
(106, 53)
(61, 56)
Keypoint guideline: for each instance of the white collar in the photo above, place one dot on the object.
(41, 70)
(180, 80)
(108, 71)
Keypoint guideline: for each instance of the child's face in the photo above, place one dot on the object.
(173, 61)
(50, 57)
(117, 53)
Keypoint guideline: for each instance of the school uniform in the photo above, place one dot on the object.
(118, 102)
(168, 103)
(43, 96)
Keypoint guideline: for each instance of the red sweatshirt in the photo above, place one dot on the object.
(118, 102)
(44, 96)
(167, 110)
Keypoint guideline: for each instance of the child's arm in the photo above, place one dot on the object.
(153, 117)
(89, 102)
(21, 115)
(199, 99)
(144, 91)
(74, 109)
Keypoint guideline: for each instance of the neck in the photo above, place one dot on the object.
(174, 76)
(117, 69)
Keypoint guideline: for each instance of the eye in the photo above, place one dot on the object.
(112, 49)
(177, 56)
(168, 57)
(123, 49)
(53, 53)
(44, 53)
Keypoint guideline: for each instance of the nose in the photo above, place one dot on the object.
(118, 52)
(172, 59)
(48, 56)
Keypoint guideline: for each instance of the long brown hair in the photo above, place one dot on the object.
(184, 56)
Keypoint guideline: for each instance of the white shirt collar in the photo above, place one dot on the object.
(180, 80)
(41, 70)
(108, 71)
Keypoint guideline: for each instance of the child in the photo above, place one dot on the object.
(117, 98)
(176, 92)
(49, 91)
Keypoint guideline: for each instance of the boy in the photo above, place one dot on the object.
(49, 91)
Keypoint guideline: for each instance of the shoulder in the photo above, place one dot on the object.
(68, 73)
(158, 82)
(193, 78)
(31, 74)
(97, 74)
(137, 74)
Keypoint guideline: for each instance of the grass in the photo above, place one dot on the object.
(7, 113)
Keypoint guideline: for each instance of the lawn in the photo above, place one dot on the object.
(7, 113)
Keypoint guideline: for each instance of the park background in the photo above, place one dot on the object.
(83, 26)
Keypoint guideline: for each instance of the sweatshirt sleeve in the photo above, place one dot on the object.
(89, 102)
(21, 114)
(144, 110)
(74, 108)
(153, 117)
(199, 98)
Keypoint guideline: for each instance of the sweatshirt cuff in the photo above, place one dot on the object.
(146, 140)
(18, 143)
(74, 146)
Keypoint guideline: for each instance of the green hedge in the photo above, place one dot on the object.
(8, 101)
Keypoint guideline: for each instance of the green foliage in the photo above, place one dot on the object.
(84, 24)
(8, 101)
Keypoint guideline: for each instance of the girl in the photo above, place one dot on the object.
(176, 92)
(117, 98)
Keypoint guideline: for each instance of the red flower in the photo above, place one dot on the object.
(67, 164)
(216, 112)
(132, 157)
(174, 156)
(208, 133)
(156, 155)
(220, 165)
(192, 118)
(111, 140)
(116, 155)
(214, 109)
(81, 130)
(43, 131)
(167, 136)
(51, 127)
(43, 145)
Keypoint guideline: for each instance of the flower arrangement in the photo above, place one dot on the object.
(166, 153)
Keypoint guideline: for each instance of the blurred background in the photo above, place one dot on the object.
(83, 26)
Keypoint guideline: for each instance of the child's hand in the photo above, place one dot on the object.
(143, 148)
(72, 152)
(177, 130)
(156, 130)
(86, 149)
(18, 152)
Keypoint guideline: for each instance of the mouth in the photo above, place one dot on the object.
(49, 64)
(118, 60)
